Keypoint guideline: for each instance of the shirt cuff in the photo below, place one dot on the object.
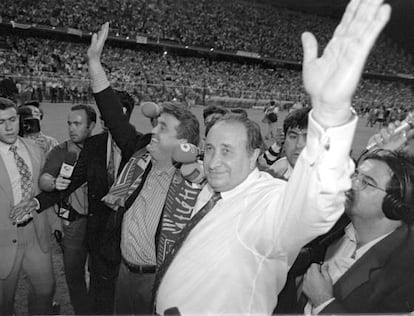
(316, 310)
(336, 142)
(37, 204)
(99, 81)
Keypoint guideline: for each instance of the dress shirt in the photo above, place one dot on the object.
(140, 222)
(10, 163)
(117, 154)
(282, 168)
(344, 257)
(237, 258)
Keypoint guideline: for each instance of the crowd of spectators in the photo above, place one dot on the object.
(57, 70)
(228, 25)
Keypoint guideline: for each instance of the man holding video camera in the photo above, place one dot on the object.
(30, 126)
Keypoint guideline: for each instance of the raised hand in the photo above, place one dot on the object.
(97, 43)
(332, 79)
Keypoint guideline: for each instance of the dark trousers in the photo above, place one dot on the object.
(74, 260)
(103, 276)
(133, 293)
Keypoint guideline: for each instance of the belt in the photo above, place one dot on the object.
(134, 268)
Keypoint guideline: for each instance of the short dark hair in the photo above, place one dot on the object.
(6, 104)
(90, 112)
(254, 135)
(401, 184)
(36, 104)
(240, 112)
(189, 127)
(25, 111)
(127, 101)
(33, 102)
(213, 109)
(297, 119)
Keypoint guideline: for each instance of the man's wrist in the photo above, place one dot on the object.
(37, 206)
(334, 118)
(332, 115)
(99, 81)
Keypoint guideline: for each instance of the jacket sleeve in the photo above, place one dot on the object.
(79, 177)
(117, 122)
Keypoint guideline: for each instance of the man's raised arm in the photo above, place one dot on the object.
(108, 102)
(315, 194)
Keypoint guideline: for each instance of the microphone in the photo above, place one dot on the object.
(68, 165)
(193, 172)
(405, 126)
(150, 109)
(186, 153)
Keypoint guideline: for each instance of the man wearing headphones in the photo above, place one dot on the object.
(371, 268)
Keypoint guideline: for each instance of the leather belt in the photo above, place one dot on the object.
(144, 269)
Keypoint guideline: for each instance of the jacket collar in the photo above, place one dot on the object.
(373, 260)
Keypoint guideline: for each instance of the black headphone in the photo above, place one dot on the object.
(398, 203)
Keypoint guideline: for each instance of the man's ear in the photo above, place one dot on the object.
(92, 126)
(254, 157)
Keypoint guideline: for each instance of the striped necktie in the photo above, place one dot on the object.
(26, 179)
(183, 236)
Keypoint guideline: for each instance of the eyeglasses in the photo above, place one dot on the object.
(361, 181)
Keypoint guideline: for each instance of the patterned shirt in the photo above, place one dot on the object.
(140, 222)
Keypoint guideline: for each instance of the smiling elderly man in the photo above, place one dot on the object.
(233, 257)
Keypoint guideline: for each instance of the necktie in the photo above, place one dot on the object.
(111, 166)
(185, 232)
(26, 181)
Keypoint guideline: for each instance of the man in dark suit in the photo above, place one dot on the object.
(98, 165)
(371, 268)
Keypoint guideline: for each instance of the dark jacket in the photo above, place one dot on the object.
(91, 165)
(381, 281)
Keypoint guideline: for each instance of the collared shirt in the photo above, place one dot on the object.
(140, 222)
(237, 258)
(10, 163)
(344, 257)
